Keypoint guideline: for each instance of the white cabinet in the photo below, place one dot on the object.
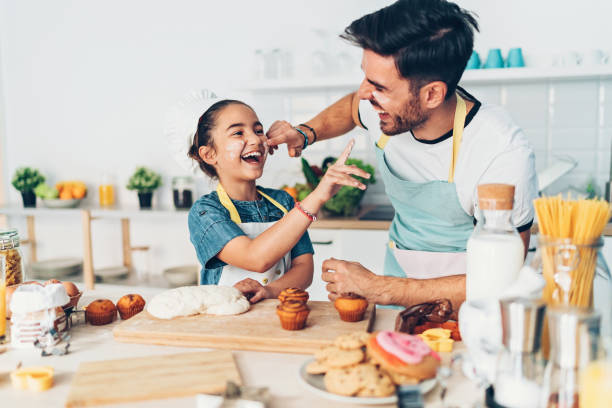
(364, 246)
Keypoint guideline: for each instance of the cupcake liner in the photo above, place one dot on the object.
(130, 312)
(351, 315)
(293, 321)
(100, 319)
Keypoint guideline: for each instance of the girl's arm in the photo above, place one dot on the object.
(298, 276)
(261, 253)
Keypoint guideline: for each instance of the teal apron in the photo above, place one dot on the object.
(429, 233)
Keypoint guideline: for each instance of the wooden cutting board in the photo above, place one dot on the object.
(153, 377)
(258, 329)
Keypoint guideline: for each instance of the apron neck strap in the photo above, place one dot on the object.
(229, 206)
(458, 124)
(460, 114)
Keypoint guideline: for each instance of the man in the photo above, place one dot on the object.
(436, 144)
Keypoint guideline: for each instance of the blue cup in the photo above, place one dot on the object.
(474, 61)
(494, 59)
(515, 58)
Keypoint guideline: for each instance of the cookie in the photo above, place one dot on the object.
(342, 381)
(352, 340)
(374, 383)
(316, 367)
(324, 352)
(344, 358)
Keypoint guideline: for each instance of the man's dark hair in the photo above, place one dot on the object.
(430, 40)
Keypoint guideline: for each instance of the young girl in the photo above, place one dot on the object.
(251, 237)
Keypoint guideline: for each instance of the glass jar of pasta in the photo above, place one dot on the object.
(11, 260)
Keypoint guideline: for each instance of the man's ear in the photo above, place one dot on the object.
(208, 154)
(433, 94)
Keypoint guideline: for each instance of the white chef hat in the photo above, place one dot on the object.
(182, 124)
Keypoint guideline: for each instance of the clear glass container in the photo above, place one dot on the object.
(182, 192)
(574, 338)
(11, 259)
(495, 251)
(518, 377)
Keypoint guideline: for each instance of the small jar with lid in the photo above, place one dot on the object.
(182, 192)
(11, 259)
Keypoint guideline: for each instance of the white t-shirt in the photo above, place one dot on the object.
(493, 150)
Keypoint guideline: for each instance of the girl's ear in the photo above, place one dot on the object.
(208, 154)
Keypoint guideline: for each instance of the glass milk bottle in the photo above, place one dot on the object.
(495, 251)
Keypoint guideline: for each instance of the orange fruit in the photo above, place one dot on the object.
(292, 191)
(78, 192)
(66, 194)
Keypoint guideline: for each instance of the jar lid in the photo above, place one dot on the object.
(9, 238)
(496, 196)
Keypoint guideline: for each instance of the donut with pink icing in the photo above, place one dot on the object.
(403, 354)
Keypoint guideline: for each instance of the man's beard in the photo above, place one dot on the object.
(412, 117)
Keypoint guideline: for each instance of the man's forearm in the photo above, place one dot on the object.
(407, 292)
(335, 120)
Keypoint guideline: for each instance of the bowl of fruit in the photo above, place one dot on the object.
(65, 194)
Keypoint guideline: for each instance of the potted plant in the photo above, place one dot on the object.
(25, 180)
(145, 181)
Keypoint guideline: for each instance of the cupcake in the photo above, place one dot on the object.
(129, 305)
(292, 314)
(293, 294)
(100, 312)
(351, 307)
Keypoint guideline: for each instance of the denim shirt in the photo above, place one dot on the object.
(211, 228)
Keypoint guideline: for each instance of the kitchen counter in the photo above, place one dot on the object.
(277, 371)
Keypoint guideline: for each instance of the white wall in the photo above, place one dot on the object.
(86, 85)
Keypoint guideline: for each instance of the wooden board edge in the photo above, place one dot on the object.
(228, 345)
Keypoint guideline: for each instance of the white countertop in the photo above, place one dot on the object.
(277, 371)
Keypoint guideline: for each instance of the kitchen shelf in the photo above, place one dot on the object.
(97, 212)
(86, 216)
(472, 76)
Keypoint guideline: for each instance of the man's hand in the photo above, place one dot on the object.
(349, 277)
(253, 290)
(281, 132)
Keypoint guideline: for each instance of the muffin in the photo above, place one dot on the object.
(292, 314)
(100, 312)
(293, 294)
(351, 307)
(129, 305)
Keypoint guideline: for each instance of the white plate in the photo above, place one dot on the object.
(315, 384)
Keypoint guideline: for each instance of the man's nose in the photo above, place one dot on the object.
(365, 90)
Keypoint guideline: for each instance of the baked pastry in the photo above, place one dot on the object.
(129, 305)
(292, 314)
(436, 311)
(351, 307)
(403, 354)
(100, 312)
(293, 294)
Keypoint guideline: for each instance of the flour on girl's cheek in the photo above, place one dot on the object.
(265, 146)
(234, 149)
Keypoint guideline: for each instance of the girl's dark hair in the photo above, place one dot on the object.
(430, 40)
(203, 136)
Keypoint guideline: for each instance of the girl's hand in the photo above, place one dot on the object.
(253, 290)
(339, 174)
